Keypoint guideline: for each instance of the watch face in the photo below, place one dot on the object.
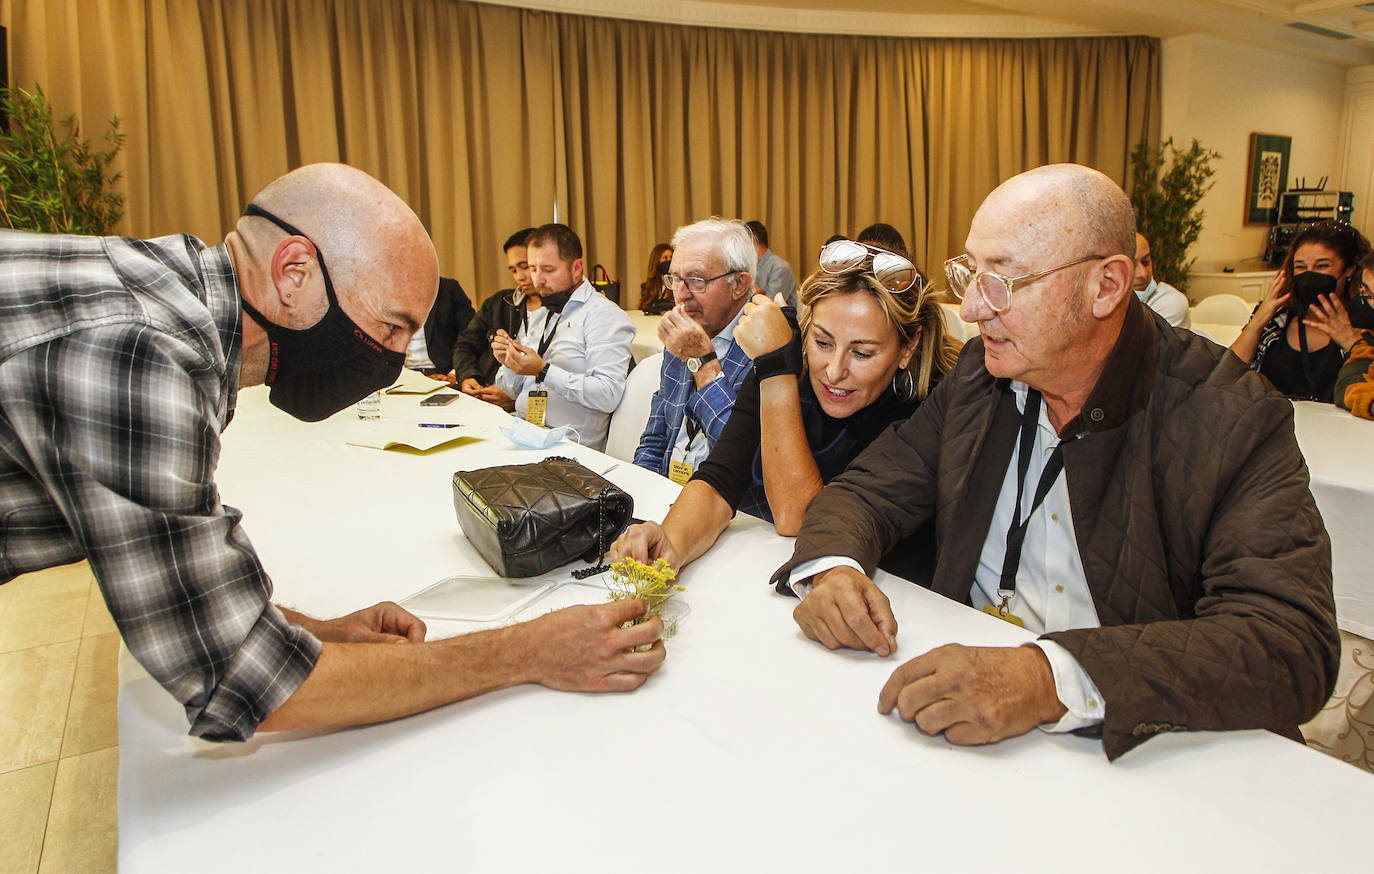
(693, 364)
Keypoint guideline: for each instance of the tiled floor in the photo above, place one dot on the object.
(59, 742)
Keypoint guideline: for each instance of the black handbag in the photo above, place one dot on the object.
(525, 519)
(606, 285)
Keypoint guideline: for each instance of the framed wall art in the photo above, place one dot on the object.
(1266, 175)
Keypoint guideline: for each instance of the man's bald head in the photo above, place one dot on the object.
(1066, 235)
(1063, 211)
(379, 256)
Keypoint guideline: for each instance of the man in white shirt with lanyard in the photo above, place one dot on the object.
(711, 276)
(1129, 494)
(570, 363)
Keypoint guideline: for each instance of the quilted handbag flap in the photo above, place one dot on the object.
(527, 518)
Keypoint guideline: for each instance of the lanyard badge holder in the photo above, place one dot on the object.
(1016, 533)
(679, 471)
(537, 404)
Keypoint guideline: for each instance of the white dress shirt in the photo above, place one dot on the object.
(1051, 588)
(1170, 303)
(589, 362)
(417, 353)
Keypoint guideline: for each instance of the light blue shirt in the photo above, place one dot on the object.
(589, 363)
(775, 275)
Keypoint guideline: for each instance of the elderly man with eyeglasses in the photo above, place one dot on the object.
(1132, 495)
(710, 278)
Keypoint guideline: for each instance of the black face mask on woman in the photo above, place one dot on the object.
(317, 371)
(1309, 284)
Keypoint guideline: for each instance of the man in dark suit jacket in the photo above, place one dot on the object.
(474, 365)
(450, 315)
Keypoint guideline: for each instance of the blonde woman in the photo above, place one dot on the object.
(871, 346)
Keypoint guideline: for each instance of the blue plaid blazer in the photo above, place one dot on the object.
(675, 398)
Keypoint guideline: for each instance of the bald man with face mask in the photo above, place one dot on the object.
(120, 362)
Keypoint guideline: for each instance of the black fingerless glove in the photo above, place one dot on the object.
(786, 358)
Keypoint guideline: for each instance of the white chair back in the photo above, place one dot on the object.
(1222, 309)
(629, 419)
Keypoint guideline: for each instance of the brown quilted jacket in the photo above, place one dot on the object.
(1203, 549)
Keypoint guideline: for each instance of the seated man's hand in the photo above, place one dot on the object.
(974, 694)
(645, 542)
(847, 609)
(521, 359)
(470, 386)
(682, 336)
(381, 623)
(584, 649)
(493, 395)
(446, 378)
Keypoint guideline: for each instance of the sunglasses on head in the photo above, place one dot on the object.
(893, 272)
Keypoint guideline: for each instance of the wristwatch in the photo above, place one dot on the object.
(694, 364)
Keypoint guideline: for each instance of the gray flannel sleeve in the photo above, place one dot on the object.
(121, 427)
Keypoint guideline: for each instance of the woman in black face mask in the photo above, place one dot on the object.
(1355, 384)
(1302, 330)
(652, 288)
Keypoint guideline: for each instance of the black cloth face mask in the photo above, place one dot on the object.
(317, 371)
(1361, 314)
(1309, 284)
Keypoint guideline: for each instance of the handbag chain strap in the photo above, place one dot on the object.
(601, 544)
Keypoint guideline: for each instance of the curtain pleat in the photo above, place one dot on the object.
(487, 119)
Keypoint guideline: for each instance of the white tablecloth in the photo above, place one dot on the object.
(1338, 447)
(751, 749)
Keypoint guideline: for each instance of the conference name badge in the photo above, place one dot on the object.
(679, 472)
(1004, 615)
(538, 407)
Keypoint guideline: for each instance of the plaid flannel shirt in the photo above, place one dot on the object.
(119, 363)
(676, 398)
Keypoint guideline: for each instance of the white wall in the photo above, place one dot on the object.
(1221, 92)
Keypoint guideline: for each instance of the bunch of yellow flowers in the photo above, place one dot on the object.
(631, 578)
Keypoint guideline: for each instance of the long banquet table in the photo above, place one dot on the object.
(752, 747)
(1339, 449)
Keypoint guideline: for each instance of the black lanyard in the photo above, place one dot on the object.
(1016, 534)
(1307, 375)
(693, 429)
(549, 331)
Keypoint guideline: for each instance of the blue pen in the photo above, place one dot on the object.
(438, 425)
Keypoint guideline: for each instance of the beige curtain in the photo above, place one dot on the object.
(488, 118)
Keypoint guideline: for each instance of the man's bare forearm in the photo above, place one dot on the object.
(361, 683)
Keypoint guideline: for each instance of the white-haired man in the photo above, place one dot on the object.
(711, 275)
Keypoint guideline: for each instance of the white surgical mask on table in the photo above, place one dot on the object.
(530, 436)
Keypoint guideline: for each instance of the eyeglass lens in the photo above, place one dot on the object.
(694, 284)
(993, 287)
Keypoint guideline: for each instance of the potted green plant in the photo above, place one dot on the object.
(1167, 184)
(57, 184)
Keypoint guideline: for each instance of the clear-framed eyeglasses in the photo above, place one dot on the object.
(893, 272)
(996, 289)
(695, 284)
